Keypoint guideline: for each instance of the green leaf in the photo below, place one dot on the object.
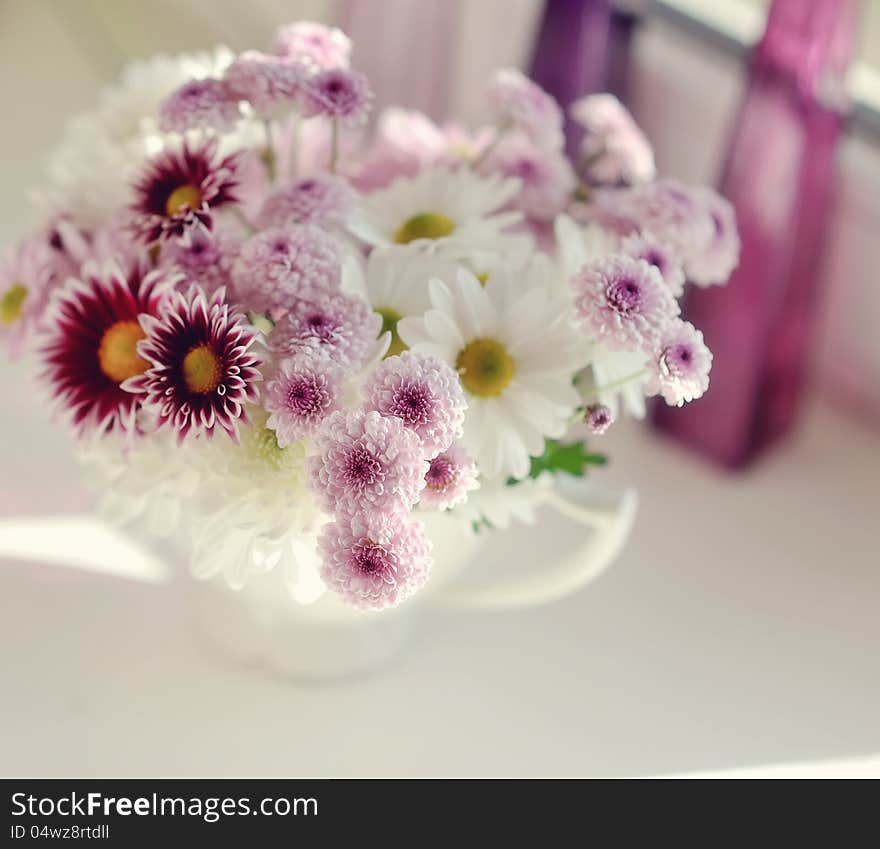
(481, 524)
(571, 458)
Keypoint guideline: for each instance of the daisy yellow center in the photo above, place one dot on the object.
(485, 367)
(202, 370)
(117, 353)
(183, 197)
(424, 225)
(12, 302)
(483, 278)
(390, 318)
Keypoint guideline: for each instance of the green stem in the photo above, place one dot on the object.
(500, 132)
(270, 150)
(334, 145)
(295, 132)
(617, 384)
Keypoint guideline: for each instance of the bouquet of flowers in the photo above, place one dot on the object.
(292, 334)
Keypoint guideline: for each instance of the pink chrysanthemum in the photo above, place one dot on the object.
(712, 263)
(271, 84)
(92, 340)
(374, 560)
(202, 371)
(199, 104)
(322, 199)
(203, 257)
(365, 461)
(27, 274)
(697, 224)
(598, 418)
(645, 246)
(520, 103)
(424, 393)
(339, 93)
(614, 149)
(450, 477)
(314, 45)
(546, 176)
(276, 266)
(681, 364)
(302, 393)
(181, 188)
(344, 328)
(623, 302)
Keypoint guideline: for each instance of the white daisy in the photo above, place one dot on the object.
(395, 284)
(442, 210)
(513, 346)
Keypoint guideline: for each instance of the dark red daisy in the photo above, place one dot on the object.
(181, 188)
(201, 369)
(91, 347)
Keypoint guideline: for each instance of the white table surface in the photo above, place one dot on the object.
(739, 630)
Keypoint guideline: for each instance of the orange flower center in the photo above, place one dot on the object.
(117, 353)
(202, 370)
(183, 197)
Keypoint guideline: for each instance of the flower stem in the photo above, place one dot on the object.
(334, 145)
(618, 384)
(243, 219)
(270, 151)
(500, 132)
(295, 133)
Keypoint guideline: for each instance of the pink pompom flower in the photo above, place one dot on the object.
(201, 369)
(365, 461)
(451, 475)
(679, 370)
(697, 224)
(374, 560)
(204, 257)
(302, 392)
(598, 418)
(623, 302)
(199, 104)
(271, 84)
(712, 263)
(345, 328)
(316, 46)
(546, 176)
(614, 149)
(340, 94)
(275, 267)
(322, 199)
(659, 254)
(518, 102)
(424, 393)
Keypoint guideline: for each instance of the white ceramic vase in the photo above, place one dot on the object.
(263, 627)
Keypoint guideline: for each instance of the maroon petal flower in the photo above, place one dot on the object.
(202, 372)
(91, 347)
(182, 188)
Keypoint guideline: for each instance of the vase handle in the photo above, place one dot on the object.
(610, 525)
